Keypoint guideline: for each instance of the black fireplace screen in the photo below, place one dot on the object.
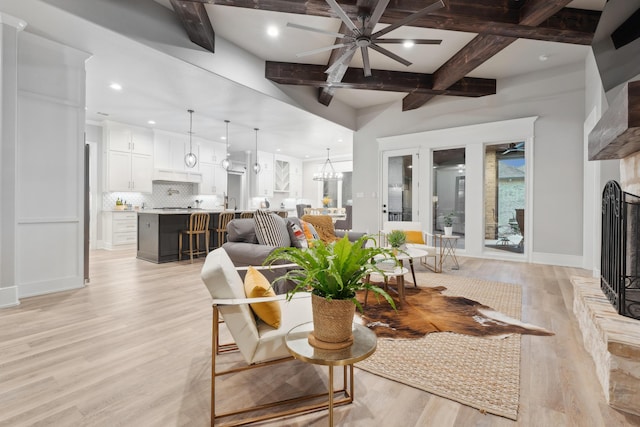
(620, 252)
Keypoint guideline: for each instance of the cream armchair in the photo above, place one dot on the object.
(260, 344)
(430, 245)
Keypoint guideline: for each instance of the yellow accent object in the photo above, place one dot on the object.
(323, 225)
(414, 237)
(256, 286)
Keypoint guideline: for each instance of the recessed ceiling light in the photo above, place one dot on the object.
(543, 57)
(408, 44)
(278, 150)
(273, 31)
(306, 156)
(152, 122)
(340, 140)
(224, 138)
(115, 86)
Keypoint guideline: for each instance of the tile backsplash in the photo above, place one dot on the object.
(181, 195)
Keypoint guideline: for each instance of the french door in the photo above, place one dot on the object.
(400, 186)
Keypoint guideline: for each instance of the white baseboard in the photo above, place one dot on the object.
(50, 286)
(557, 259)
(9, 297)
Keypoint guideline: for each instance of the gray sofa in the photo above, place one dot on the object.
(243, 248)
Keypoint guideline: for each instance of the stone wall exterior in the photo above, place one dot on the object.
(490, 194)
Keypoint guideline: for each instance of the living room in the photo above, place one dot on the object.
(553, 110)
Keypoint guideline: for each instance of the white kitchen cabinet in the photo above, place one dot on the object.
(128, 157)
(129, 139)
(263, 182)
(169, 151)
(295, 176)
(120, 229)
(214, 179)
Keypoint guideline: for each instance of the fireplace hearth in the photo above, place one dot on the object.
(620, 251)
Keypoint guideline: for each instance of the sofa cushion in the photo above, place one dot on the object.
(310, 232)
(256, 286)
(271, 229)
(242, 230)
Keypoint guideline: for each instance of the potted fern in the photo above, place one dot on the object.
(333, 273)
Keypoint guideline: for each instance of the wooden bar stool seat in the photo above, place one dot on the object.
(223, 221)
(246, 214)
(198, 225)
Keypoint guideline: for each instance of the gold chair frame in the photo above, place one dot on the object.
(347, 389)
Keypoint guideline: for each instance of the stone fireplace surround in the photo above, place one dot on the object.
(612, 340)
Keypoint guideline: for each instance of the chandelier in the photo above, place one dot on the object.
(328, 173)
(225, 162)
(190, 159)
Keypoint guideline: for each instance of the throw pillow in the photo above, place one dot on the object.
(323, 225)
(297, 236)
(414, 236)
(271, 229)
(309, 232)
(256, 286)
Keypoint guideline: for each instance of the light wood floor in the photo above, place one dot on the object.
(133, 349)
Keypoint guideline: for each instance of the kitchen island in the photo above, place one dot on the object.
(159, 232)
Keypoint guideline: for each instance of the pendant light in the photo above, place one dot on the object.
(256, 165)
(225, 162)
(190, 159)
(328, 173)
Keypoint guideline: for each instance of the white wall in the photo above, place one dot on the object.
(50, 165)
(556, 96)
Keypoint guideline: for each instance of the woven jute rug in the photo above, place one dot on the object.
(483, 373)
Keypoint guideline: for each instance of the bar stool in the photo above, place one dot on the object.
(198, 225)
(246, 214)
(283, 214)
(223, 220)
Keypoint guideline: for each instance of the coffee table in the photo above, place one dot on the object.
(410, 254)
(364, 344)
(397, 272)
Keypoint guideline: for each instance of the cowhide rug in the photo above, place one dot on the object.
(427, 310)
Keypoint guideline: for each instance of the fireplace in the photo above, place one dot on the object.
(620, 251)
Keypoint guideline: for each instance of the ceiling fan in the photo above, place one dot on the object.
(363, 37)
(514, 148)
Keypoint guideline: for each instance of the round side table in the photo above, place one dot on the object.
(364, 344)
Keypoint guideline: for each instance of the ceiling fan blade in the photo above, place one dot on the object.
(375, 16)
(389, 54)
(365, 61)
(344, 57)
(322, 49)
(414, 41)
(317, 30)
(435, 6)
(342, 15)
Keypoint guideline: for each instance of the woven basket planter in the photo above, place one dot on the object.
(332, 323)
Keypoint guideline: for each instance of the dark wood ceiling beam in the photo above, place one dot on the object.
(482, 48)
(574, 26)
(196, 22)
(393, 81)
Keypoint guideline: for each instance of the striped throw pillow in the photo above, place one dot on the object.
(271, 229)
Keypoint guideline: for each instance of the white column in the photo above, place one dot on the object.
(9, 29)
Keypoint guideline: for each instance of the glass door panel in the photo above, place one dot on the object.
(400, 201)
(504, 196)
(449, 175)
